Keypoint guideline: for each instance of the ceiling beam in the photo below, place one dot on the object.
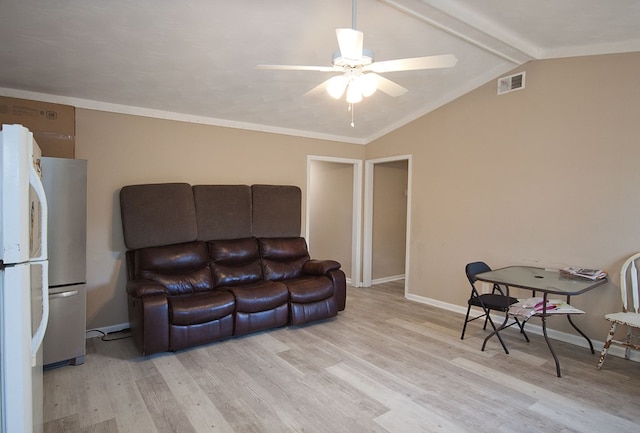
(433, 16)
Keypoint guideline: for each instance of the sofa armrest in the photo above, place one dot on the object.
(149, 322)
(339, 281)
(141, 288)
(320, 267)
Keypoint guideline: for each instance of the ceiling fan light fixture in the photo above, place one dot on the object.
(354, 93)
(336, 86)
(368, 83)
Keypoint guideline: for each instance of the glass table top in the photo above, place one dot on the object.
(539, 279)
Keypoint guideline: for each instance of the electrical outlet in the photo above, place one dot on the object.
(486, 287)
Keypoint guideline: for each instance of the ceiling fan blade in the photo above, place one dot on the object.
(350, 42)
(429, 62)
(389, 87)
(298, 68)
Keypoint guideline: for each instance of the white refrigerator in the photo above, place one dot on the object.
(24, 304)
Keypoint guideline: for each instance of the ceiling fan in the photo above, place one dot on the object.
(360, 72)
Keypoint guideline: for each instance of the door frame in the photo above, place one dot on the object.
(356, 225)
(368, 217)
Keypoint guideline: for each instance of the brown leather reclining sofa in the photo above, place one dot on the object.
(208, 262)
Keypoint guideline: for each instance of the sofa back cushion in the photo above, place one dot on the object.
(283, 258)
(223, 211)
(181, 268)
(234, 261)
(276, 211)
(157, 214)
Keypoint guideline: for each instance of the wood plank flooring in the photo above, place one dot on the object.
(383, 365)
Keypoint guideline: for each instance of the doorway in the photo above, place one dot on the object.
(334, 212)
(387, 210)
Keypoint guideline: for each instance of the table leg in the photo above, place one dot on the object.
(578, 329)
(496, 331)
(581, 333)
(546, 338)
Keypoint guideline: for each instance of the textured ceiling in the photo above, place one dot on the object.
(195, 60)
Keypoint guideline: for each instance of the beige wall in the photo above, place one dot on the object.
(544, 176)
(124, 150)
(389, 230)
(331, 212)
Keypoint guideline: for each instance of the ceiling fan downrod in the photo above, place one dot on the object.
(353, 14)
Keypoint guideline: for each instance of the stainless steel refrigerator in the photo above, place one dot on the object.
(65, 184)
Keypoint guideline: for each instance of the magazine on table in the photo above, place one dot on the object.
(592, 274)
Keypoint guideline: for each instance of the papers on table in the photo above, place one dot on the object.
(526, 308)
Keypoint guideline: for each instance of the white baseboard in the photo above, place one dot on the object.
(99, 332)
(574, 339)
(387, 279)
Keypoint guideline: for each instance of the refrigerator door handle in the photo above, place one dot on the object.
(67, 294)
(36, 183)
(38, 337)
(34, 180)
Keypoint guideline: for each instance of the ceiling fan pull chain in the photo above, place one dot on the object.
(352, 110)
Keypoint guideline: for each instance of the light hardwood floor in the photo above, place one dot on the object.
(383, 365)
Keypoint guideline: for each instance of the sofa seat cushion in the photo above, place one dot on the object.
(260, 296)
(200, 307)
(309, 289)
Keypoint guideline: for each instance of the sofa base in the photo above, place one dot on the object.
(181, 337)
(314, 311)
(252, 322)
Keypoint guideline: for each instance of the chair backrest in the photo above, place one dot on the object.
(475, 268)
(629, 283)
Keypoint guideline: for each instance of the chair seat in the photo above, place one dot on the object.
(492, 301)
(629, 290)
(630, 319)
(496, 300)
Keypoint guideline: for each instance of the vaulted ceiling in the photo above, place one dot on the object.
(195, 60)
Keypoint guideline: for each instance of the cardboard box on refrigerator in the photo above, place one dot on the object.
(53, 125)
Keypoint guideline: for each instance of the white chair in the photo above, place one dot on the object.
(629, 317)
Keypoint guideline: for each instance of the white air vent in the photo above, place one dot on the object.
(511, 83)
